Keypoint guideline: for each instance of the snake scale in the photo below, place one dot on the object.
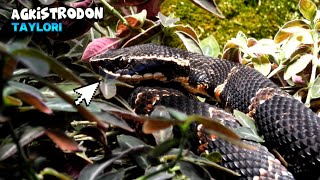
(288, 126)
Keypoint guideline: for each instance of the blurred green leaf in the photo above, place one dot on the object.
(191, 44)
(315, 88)
(163, 148)
(33, 60)
(248, 134)
(112, 119)
(245, 120)
(308, 9)
(14, 87)
(240, 40)
(141, 16)
(128, 142)
(160, 175)
(193, 171)
(94, 171)
(29, 134)
(58, 104)
(262, 64)
(209, 5)
(167, 21)
(64, 142)
(12, 101)
(214, 157)
(210, 47)
(116, 175)
(108, 88)
(282, 34)
(297, 66)
(39, 63)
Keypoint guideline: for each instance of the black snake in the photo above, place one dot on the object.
(287, 125)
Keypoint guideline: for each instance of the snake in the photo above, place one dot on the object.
(289, 127)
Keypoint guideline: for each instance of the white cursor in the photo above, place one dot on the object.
(86, 93)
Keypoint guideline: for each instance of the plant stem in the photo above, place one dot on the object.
(117, 14)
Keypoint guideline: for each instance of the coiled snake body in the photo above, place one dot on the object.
(287, 125)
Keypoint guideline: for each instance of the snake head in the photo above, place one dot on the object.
(133, 64)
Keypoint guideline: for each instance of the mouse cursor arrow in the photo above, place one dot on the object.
(86, 93)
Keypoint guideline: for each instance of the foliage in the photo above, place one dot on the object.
(45, 135)
(252, 17)
(292, 57)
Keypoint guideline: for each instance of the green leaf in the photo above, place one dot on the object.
(187, 30)
(262, 64)
(116, 121)
(315, 88)
(241, 40)
(93, 171)
(210, 47)
(58, 104)
(248, 134)
(177, 114)
(167, 21)
(249, 130)
(141, 16)
(34, 62)
(297, 66)
(296, 24)
(14, 87)
(189, 42)
(12, 101)
(108, 88)
(210, 6)
(308, 9)
(245, 120)
(163, 148)
(29, 134)
(127, 142)
(118, 174)
(214, 157)
(193, 171)
(160, 175)
(27, 54)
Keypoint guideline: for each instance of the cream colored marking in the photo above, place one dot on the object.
(219, 89)
(199, 127)
(256, 178)
(137, 77)
(263, 172)
(126, 76)
(110, 73)
(147, 76)
(138, 97)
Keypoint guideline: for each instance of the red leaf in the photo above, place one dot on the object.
(99, 46)
(34, 101)
(152, 7)
(123, 30)
(9, 66)
(63, 141)
(118, 3)
(82, 4)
